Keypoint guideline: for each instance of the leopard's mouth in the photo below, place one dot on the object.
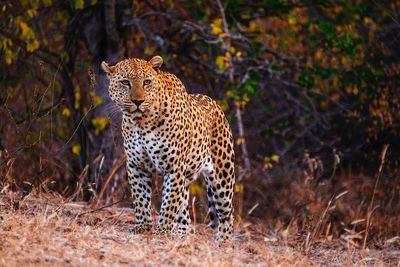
(137, 111)
(130, 111)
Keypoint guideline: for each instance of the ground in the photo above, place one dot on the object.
(47, 230)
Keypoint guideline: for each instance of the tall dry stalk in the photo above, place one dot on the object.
(114, 169)
(311, 236)
(371, 209)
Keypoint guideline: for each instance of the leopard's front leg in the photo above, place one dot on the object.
(140, 186)
(183, 217)
(173, 187)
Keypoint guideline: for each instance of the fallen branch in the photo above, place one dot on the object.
(102, 208)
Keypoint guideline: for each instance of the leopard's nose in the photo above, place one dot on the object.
(137, 102)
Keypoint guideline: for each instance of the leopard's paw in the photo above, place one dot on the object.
(140, 228)
(164, 229)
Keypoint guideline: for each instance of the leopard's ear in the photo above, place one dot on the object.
(107, 69)
(156, 62)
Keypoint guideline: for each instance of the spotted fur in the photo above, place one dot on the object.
(170, 133)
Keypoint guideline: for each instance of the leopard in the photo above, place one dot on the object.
(177, 136)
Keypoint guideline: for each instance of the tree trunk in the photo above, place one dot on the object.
(103, 37)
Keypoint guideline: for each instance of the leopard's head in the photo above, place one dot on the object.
(135, 85)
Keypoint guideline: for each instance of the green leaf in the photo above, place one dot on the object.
(3, 80)
(42, 113)
(323, 73)
(250, 86)
(325, 27)
(268, 133)
(275, 5)
(37, 100)
(306, 80)
(257, 46)
(329, 31)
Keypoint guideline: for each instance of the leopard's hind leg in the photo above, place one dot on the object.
(220, 185)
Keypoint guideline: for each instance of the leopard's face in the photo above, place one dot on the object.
(135, 85)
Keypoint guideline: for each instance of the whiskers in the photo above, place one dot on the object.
(113, 112)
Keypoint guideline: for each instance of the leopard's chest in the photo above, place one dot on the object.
(152, 151)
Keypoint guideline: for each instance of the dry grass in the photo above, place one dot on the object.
(45, 230)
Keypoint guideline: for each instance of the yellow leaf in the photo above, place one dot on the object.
(334, 62)
(79, 4)
(100, 123)
(47, 2)
(230, 94)
(292, 19)
(97, 100)
(275, 158)
(9, 56)
(383, 103)
(25, 29)
(253, 26)
(345, 59)
(9, 178)
(267, 165)
(32, 46)
(368, 21)
(220, 62)
(239, 188)
(196, 189)
(66, 112)
(216, 27)
(239, 141)
(246, 98)
(149, 50)
(31, 13)
(224, 104)
(76, 149)
(77, 96)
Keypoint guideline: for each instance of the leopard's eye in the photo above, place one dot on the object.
(125, 82)
(146, 82)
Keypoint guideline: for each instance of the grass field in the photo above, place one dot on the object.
(46, 230)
